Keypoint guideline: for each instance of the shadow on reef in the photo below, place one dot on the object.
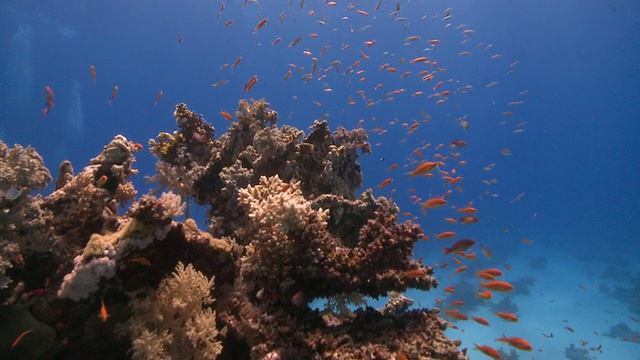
(285, 228)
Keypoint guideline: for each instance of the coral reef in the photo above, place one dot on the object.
(286, 227)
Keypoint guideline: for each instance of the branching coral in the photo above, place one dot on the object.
(172, 323)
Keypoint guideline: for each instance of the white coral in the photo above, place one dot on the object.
(173, 205)
(172, 324)
(278, 205)
(86, 275)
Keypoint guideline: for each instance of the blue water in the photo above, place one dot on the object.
(577, 74)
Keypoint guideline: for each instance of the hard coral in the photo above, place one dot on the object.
(22, 169)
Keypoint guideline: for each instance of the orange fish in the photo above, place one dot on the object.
(468, 210)
(19, 338)
(424, 168)
(102, 181)
(456, 314)
(252, 81)
(469, 220)
(493, 272)
(385, 182)
(155, 102)
(516, 342)
(142, 260)
(412, 274)
(226, 115)
(48, 98)
(113, 94)
(92, 71)
(489, 351)
(480, 320)
(446, 235)
(460, 269)
(485, 276)
(497, 286)
(236, 62)
(485, 295)
(506, 316)
(434, 203)
(262, 23)
(460, 245)
(103, 311)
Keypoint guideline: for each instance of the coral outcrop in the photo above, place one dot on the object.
(286, 227)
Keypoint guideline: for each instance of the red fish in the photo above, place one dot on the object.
(92, 70)
(113, 94)
(252, 81)
(155, 102)
(19, 338)
(489, 351)
(460, 245)
(516, 342)
(48, 98)
(498, 286)
(103, 311)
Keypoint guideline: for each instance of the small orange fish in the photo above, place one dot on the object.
(481, 321)
(141, 260)
(413, 274)
(155, 102)
(424, 168)
(446, 235)
(401, 355)
(460, 269)
(460, 245)
(103, 311)
(113, 94)
(226, 115)
(235, 63)
(385, 182)
(507, 316)
(516, 342)
(497, 285)
(468, 210)
(489, 351)
(102, 181)
(456, 314)
(19, 338)
(434, 203)
(262, 23)
(493, 272)
(485, 295)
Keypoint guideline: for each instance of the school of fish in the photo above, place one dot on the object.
(343, 74)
